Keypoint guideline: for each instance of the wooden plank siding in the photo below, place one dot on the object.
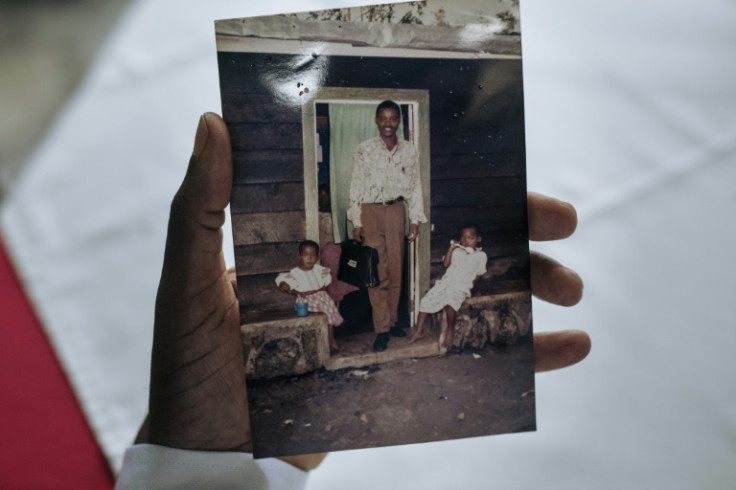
(476, 151)
(256, 228)
(261, 136)
(259, 108)
(259, 292)
(272, 197)
(463, 166)
(477, 191)
(267, 166)
(266, 257)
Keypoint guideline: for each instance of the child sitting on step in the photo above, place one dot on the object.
(465, 262)
(309, 280)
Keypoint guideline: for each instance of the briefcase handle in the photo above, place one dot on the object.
(349, 236)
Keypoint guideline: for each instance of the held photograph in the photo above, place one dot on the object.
(379, 223)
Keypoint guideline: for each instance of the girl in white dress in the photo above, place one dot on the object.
(309, 280)
(465, 262)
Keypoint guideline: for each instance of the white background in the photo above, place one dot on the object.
(631, 115)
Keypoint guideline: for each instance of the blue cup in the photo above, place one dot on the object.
(302, 309)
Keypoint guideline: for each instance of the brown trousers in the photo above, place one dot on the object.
(383, 229)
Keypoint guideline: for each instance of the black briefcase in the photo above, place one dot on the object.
(358, 264)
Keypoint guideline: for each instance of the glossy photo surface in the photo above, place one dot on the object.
(397, 128)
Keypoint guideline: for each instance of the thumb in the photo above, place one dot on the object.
(206, 186)
(197, 394)
(194, 242)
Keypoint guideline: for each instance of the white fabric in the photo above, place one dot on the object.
(380, 175)
(303, 281)
(317, 277)
(630, 114)
(158, 468)
(455, 285)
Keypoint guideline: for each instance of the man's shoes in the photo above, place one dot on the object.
(397, 332)
(381, 342)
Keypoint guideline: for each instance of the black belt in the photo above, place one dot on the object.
(391, 201)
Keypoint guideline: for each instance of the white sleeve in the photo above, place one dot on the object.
(358, 184)
(325, 277)
(288, 278)
(416, 202)
(147, 466)
(482, 263)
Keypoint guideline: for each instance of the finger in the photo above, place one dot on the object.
(208, 180)
(550, 218)
(305, 462)
(231, 274)
(197, 355)
(193, 259)
(555, 350)
(553, 282)
(194, 243)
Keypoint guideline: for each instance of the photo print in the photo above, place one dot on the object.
(379, 223)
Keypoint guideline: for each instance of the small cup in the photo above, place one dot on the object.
(302, 309)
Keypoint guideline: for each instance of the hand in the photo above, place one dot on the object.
(198, 398)
(551, 219)
(284, 287)
(413, 232)
(358, 234)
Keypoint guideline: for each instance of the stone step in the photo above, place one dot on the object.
(278, 343)
(356, 350)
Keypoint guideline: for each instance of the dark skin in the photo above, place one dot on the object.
(307, 258)
(197, 394)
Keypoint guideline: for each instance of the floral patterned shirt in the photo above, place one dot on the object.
(380, 175)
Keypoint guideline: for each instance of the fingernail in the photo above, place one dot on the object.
(200, 140)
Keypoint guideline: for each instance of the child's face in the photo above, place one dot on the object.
(307, 258)
(469, 238)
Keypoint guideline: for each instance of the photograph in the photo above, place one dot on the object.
(379, 224)
(200, 216)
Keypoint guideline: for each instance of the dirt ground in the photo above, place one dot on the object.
(465, 394)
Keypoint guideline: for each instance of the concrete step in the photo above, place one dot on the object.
(357, 350)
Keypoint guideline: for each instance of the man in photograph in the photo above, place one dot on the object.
(385, 176)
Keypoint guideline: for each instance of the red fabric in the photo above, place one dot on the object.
(44, 439)
(330, 258)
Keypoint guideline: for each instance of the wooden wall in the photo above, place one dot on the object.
(477, 159)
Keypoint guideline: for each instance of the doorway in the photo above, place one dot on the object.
(335, 120)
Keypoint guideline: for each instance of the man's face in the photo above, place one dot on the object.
(387, 122)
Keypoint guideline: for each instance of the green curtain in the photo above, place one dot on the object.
(350, 124)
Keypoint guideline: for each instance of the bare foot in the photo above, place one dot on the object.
(447, 344)
(416, 337)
